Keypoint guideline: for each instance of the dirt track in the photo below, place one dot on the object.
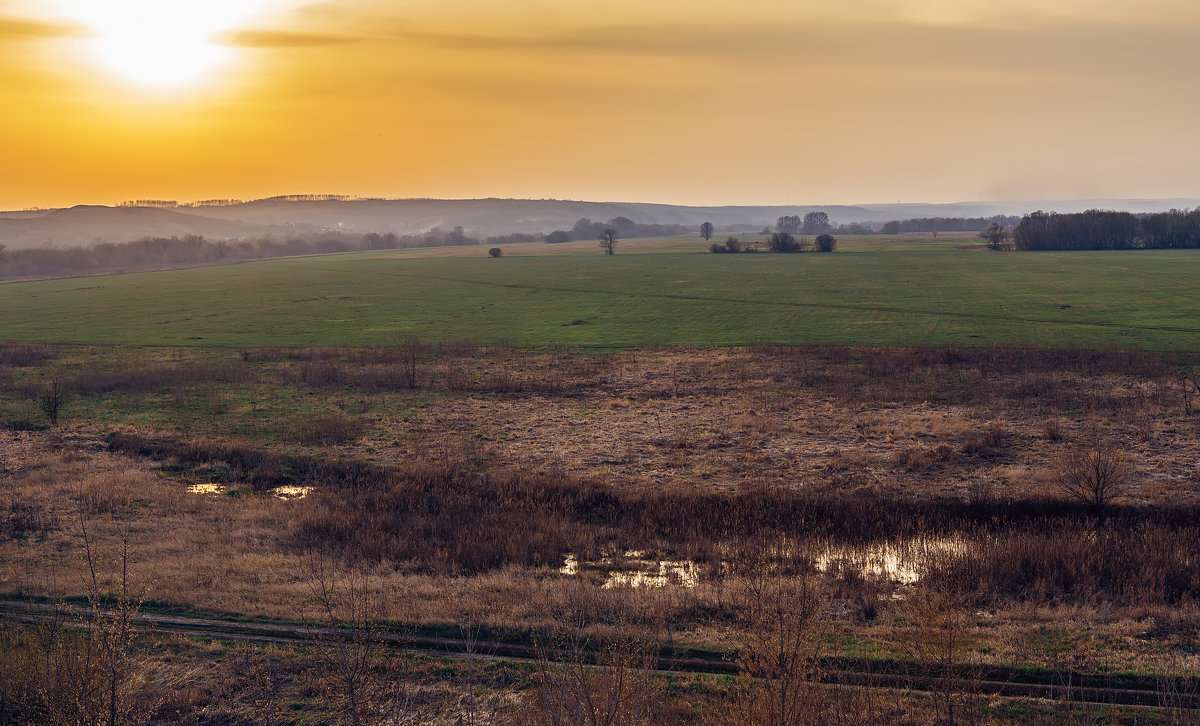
(1059, 687)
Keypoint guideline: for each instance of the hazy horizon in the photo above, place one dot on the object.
(152, 201)
(766, 103)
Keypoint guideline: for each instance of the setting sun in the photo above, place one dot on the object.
(197, 99)
(157, 43)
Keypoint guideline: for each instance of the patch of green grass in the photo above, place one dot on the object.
(873, 291)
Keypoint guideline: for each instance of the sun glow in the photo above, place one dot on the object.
(159, 43)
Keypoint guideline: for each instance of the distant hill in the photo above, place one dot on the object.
(83, 225)
(479, 217)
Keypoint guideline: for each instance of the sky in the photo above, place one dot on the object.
(700, 102)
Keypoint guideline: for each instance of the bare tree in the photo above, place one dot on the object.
(411, 350)
(351, 654)
(1095, 472)
(789, 224)
(51, 401)
(996, 236)
(608, 241)
(88, 671)
(706, 231)
(581, 681)
(815, 223)
(780, 655)
(112, 619)
(937, 643)
(1191, 387)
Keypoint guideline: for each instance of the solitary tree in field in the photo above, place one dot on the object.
(826, 242)
(996, 236)
(495, 252)
(1095, 472)
(706, 231)
(608, 241)
(51, 401)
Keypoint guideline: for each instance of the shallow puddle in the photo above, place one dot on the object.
(637, 571)
(206, 489)
(658, 573)
(900, 563)
(292, 492)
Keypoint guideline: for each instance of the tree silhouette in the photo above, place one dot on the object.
(706, 231)
(816, 222)
(608, 241)
(996, 236)
(788, 225)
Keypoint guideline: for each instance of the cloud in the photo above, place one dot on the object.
(1097, 49)
(14, 29)
(258, 38)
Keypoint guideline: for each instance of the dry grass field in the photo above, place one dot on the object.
(875, 502)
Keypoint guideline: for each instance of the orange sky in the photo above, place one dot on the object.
(705, 102)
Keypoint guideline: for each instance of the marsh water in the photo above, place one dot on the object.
(900, 563)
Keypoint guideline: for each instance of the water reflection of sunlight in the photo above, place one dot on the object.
(899, 562)
(292, 492)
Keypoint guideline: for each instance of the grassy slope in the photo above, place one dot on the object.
(873, 291)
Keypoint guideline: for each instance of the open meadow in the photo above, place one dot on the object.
(872, 291)
(909, 482)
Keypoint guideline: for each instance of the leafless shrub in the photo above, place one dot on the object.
(937, 642)
(779, 657)
(153, 377)
(80, 665)
(329, 428)
(1179, 696)
(411, 352)
(353, 662)
(985, 445)
(105, 493)
(22, 518)
(1095, 473)
(920, 458)
(51, 400)
(26, 354)
(582, 680)
(320, 374)
(1052, 429)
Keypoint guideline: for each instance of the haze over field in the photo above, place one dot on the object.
(83, 225)
(759, 102)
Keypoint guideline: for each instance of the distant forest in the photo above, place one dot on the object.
(1107, 230)
(1091, 230)
(587, 230)
(934, 225)
(194, 250)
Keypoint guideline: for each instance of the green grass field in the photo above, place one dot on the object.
(873, 291)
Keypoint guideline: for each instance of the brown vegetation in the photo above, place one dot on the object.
(840, 482)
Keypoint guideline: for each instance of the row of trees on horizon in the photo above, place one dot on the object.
(194, 250)
(1090, 230)
(1098, 229)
